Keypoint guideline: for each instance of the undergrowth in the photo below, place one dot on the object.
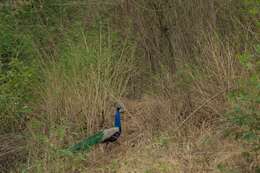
(188, 74)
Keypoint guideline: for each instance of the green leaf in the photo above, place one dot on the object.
(237, 109)
(254, 11)
(244, 58)
(258, 85)
(249, 136)
(257, 49)
(257, 100)
(61, 132)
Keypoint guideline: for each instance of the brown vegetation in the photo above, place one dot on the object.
(176, 63)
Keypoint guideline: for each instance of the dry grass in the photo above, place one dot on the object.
(12, 151)
(192, 149)
(177, 126)
(153, 142)
(183, 68)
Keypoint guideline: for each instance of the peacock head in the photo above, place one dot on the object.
(120, 107)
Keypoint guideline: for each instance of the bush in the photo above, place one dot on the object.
(245, 115)
(16, 88)
(18, 73)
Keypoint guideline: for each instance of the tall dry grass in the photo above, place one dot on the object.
(174, 84)
(12, 149)
(78, 96)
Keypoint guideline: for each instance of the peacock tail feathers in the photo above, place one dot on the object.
(87, 143)
(107, 135)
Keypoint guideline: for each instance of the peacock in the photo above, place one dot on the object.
(103, 136)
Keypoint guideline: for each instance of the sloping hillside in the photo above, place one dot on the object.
(187, 73)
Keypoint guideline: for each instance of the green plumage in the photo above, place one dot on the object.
(87, 143)
(107, 135)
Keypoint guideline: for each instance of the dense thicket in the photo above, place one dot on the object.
(180, 66)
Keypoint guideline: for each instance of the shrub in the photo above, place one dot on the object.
(245, 115)
(18, 73)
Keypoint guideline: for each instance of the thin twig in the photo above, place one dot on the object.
(201, 106)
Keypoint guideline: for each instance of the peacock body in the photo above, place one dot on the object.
(103, 136)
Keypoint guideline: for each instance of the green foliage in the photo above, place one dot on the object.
(245, 116)
(89, 66)
(16, 85)
(224, 169)
(18, 73)
(252, 7)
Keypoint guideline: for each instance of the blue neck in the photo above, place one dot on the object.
(118, 120)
